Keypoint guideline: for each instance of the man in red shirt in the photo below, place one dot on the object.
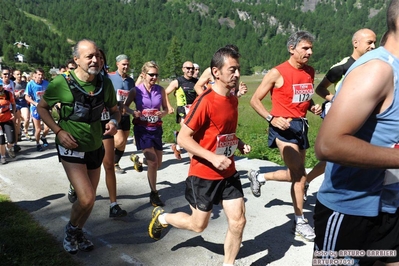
(291, 87)
(208, 133)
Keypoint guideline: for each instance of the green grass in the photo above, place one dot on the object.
(24, 242)
(253, 129)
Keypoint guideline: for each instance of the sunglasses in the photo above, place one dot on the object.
(6, 74)
(189, 68)
(153, 75)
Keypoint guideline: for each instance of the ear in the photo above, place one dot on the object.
(216, 72)
(291, 49)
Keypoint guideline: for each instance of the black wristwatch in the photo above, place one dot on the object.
(269, 118)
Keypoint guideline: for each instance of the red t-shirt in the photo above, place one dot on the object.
(293, 98)
(212, 115)
(5, 112)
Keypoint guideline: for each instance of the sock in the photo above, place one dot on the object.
(118, 155)
(226, 264)
(73, 227)
(113, 204)
(261, 178)
(178, 147)
(161, 218)
(299, 219)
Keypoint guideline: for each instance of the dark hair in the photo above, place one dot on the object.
(392, 15)
(104, 68)
(233, 47)
(219, 57)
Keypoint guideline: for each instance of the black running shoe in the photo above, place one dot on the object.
(155, 227)
(116, 211)
(70, 242)
(83, 243)
(155, 200)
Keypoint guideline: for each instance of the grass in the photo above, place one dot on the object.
(24, 242)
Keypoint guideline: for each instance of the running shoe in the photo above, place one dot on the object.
(3, 160)
(176, 152)
(83, 243)
(155, 200)
(44, 140)
(72, 197)
(304, 230)
(136, 163)
(116, 211)
(305, 195)
(155, 228)
(70, 242)
(10, 152)
(255, 184)
(17, 148)
(119, 170)
(39, 147)
(27, 137)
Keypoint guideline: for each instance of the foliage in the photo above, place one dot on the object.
(150, 29)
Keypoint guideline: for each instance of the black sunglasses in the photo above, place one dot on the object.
(189, 68)
(153, 75)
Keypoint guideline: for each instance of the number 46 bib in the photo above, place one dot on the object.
(226, 144)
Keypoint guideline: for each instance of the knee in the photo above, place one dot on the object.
(86, 202)
(236, 226)
(199, 227)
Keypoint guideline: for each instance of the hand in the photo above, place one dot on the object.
(245, 149)
(67, 140)
(171, 110)
(281, 123)
(110, 129)
(242, 89)
(316, 109)
(221, 162)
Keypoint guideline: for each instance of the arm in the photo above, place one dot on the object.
(164, 104)
(203, 80)
(130, 98)
(322, 90)
(66, 139)
(270, 80)
(186, 140)
(367, 90)
(110, 127)
(171, 88)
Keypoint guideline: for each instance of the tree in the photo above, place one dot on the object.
(173, 61)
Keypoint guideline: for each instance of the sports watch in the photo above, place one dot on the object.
(269, 118)
(114, 122)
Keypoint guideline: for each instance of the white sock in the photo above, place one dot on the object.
(113, 204)
(300, 219)
(161, 218)
(261, 178)
(178, 147)
(226, 264)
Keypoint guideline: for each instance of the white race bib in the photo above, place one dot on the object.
(187, 108)
(149, 115)
(121, 95)
(39, 95)
(302, 92)
(226, 144)
(105, 116)
(70, 153)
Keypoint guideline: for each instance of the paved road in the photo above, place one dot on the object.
(37, 182)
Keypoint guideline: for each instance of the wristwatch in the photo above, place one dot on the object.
(114, 122)
(269, 118)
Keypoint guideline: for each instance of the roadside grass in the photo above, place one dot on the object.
(24, 242)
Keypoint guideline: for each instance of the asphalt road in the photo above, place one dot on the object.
(37, 182)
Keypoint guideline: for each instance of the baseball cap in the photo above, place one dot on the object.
(121, 57)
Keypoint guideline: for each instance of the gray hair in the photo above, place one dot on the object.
(297, 37)
(75, 52)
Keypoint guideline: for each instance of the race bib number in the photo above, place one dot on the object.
(105, 116)
(39, 95)
(149, 115)
(226, 144)
(121, 95)
(70, 153)
(187, 108)
(302, 92)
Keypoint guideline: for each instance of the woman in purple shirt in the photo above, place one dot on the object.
(150, 101)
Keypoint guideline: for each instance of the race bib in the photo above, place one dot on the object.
(149, 115)
(226, 144)
(302, 92)
(70, 153)
(105, 116)
(187, 108)
(39, 95)
(121, 95)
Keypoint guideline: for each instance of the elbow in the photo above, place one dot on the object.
(323, 149)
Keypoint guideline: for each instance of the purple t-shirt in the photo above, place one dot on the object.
(148, 102)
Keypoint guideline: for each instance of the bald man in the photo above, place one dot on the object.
(363, 41)
(185, 94)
